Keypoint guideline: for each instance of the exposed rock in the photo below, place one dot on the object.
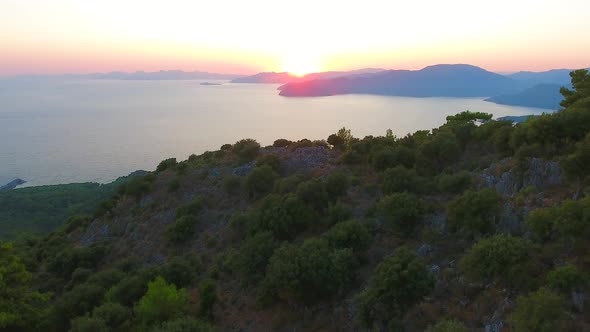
(438, 222)
(434, 269)
(540, 173)
(510, 219)
(424, 249)
(12, 184)
(494, 326)
(244, 169)
(578, 298)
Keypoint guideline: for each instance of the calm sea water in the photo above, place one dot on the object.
(61, 131)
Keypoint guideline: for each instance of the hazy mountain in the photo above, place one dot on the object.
(142, 75)
(540, 95)
(555, 76)
(284, 77)
(439, 80)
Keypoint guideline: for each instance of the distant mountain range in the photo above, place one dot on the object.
(142, 75)
(532, 89)
(540, 95)
(284, 77)
(433, 81)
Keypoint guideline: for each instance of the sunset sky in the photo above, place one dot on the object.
(243, 37)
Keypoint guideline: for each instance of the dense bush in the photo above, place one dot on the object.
(161, 302)
(184, 324)
(313, 193)
(338, 212)
(475, 212)
(166, 164)
(454, 183)
(541, 311)
(260, 181)
(501, 257)
(192, 208)
(309, 272)
(180, 271)
(114, 315)
(450, 325)
(389, 157)
(232, 184)
(284, 216)
(77, 302)
(402, 211)
(399, 282)
(181, 229)
(253, 255)
(336, 185)
(281, 143)
(137, 186)
(349, 234)
(290, 183)
(569, 220)
(246, 149)
(566, 279)
(400, 179)
(88, 324)
(207, 297)
(272, 160)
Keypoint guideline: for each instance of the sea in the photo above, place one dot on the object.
(62, 130)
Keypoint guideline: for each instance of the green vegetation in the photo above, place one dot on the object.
(475, 212)
(402, 211)
(541, 311)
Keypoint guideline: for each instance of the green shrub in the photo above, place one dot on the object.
(184, 324)
(284, 216)
(106, 278)
(399, 282)
(74, 222)
(336, 185)
(88, 324)
(246, 149)
(397, 155)
(566, 279)
(181, 229)
(272, 160)
(260, 181)
(180, 271)
(232, 184)
(137, 186)
(338, 212)
(402, 211)
(500, 257)
(475, 212)
(77, 302)
(173, 185)
(161, 302)
(569, 220)
(349, 234)
(541, 311)
(449, 325)
(309, 272)
(400, 179)
(289, 184)
(541, 222)
(253, 255)
(191, 209)
(313, 193)
(281, 143)
(113, 314)
(207, 297)
(128, 291)
(455, 183)
(166, 164)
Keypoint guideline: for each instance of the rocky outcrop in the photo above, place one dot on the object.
(539, 173)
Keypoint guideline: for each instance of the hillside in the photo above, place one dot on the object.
(478, 225)
(433, 81)
(283, 77)
(540, 96)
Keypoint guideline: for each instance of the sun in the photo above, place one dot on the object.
(300, 64)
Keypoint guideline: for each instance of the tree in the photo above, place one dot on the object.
(20, 306)
(166, 164)
(566, 279)
(581, 83)
(161, 302)
(114, 315)
(184, 324)
(246, 149)
(313, 193)
(449, 325)
(309, 272)
(349, 234)
(541, 311)
(254, 253)
(88, 324)
(475, 212)
(181, 230)
(260, 180)
(207, 297)
(454, 183)
(501, 257)
(284, 216)
(336, 185)
(399, 282)
(400, 179)
(469, 116)
(402, 211)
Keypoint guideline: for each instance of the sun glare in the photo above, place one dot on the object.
(300, 64)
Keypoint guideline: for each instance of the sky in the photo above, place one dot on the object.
(248, 36)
